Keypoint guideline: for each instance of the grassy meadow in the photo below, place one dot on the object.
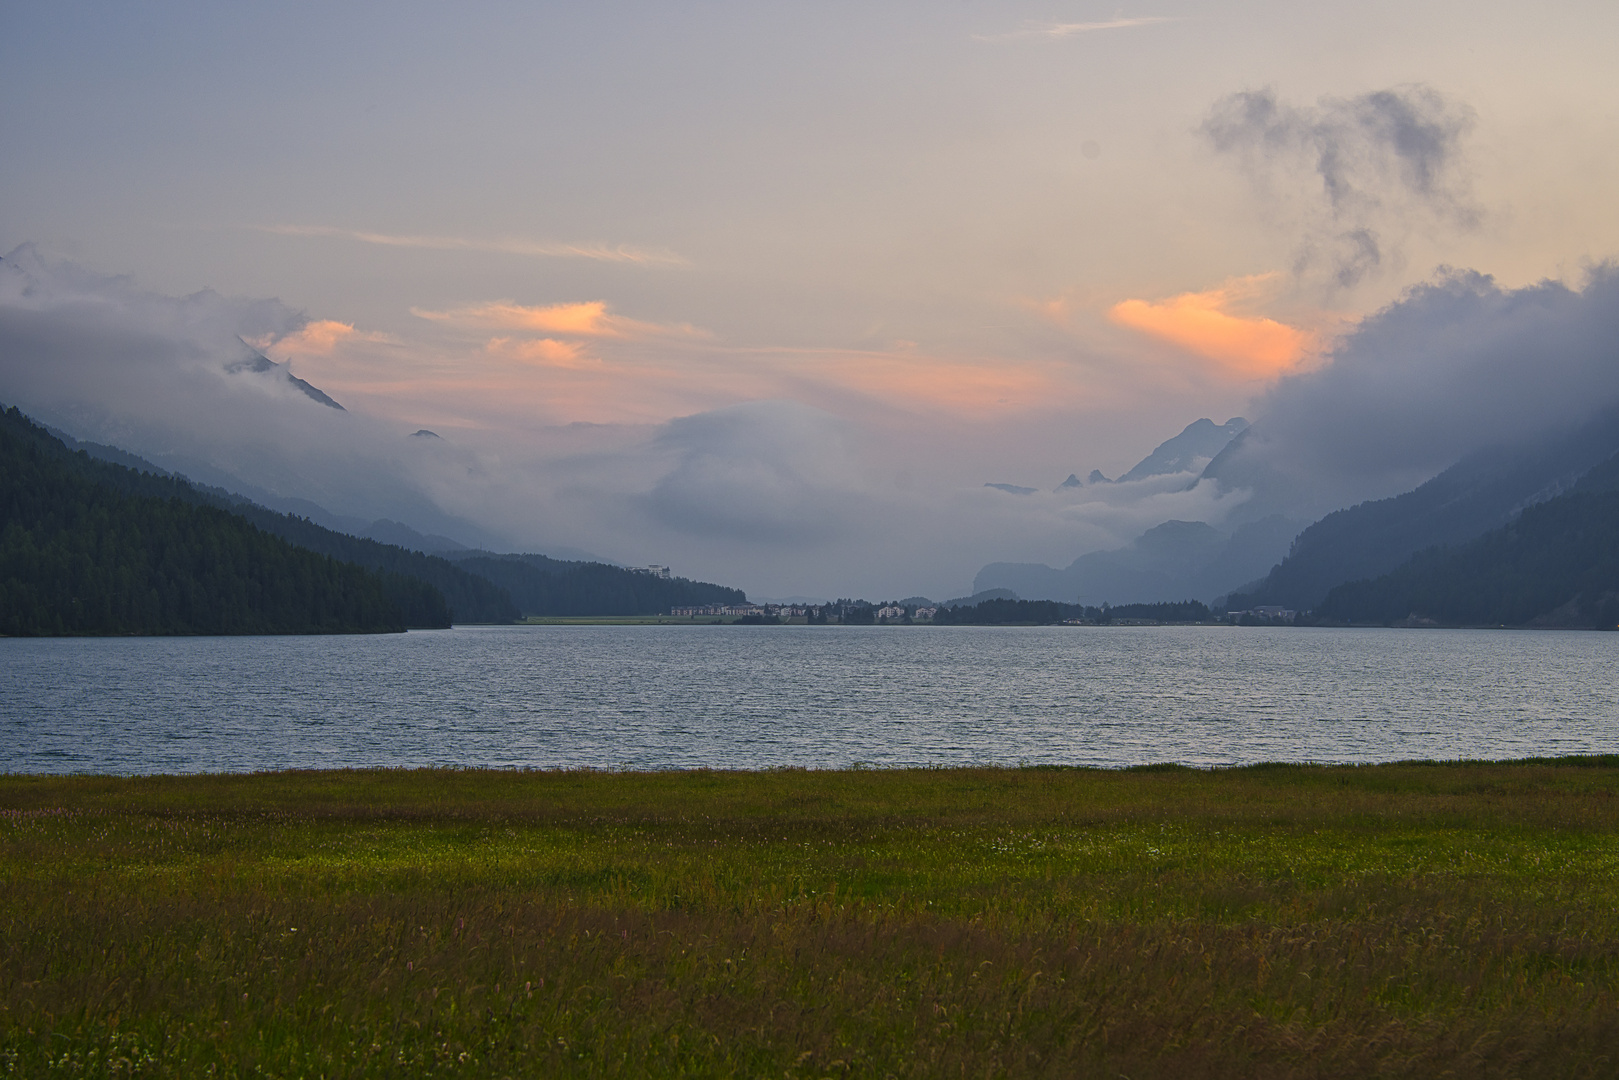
(1401, 920)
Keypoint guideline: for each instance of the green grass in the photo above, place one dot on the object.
(1404, 920)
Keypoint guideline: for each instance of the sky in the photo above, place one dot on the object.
(768, 293)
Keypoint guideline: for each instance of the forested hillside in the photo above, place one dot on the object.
(1480, 493)
(545, 586)
(1006, 612)
(428, 591)
(471, 599)
(1556, 564)
(83, 550)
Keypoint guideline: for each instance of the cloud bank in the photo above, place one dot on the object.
(776, 494)
(174, 380)
(1353, 174)
(1456, 365)
(1074, 29)
(614, 253)
(806, 478)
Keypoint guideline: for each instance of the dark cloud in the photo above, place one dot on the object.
(1455, 366)
(1370, 168)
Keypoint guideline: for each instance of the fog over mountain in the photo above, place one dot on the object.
(1190, 451)
(1458, 365)
(1457, 369)
(761, 493)
(808, 299)
(774, 495)
(173, 380)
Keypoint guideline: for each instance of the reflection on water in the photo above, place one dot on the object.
(746, 697)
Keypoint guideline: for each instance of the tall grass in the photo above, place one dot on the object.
(1413, 920)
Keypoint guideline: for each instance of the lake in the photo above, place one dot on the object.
(676, 697)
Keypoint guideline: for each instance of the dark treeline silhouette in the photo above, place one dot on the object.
(1003, 612)
(1556, 564)
(1482, 492)
(461, 596)
(540, 585)
(416, 584)
(83, 550)
(852, 612)
(429, 591)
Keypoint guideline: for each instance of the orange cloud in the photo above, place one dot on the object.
(502, 245)
(1200, 323)
(548, 352)
(908, 380)
(588, 319)
(319, 338)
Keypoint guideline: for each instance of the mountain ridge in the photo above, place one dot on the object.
(89, 547)
(1483, 491)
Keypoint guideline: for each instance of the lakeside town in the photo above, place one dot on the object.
(998, 610)
(842, 611)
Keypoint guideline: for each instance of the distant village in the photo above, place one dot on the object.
(852, 611)
(861, 612)
(1004, 609)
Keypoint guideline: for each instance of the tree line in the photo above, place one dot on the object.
(90, 546)
(540, 585)
(1557, 563)
(80, 556)
(1002, 612)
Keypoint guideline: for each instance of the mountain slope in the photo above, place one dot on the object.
(430, 591)
(260, 364)
(81, 556)
(1197, 444)
(1169, 562)
(1556, 564)
(471, 599)
(544, 586)
(478, 586)
(1480, 493)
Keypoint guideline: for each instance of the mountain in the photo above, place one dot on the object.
(1483, 491)
(1170, 562)
(466, 585)
(419, 585)
(1198, 444)
(260, 364)
(1555, 564)
(541, 585)
(384, 531)
(471, 599)
(1193, 449)
(90, 547)
(979, 597)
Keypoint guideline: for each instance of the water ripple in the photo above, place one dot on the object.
(751, 697)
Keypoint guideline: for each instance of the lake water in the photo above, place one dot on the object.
(651, 697)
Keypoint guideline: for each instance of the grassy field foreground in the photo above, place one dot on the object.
(1410, 920)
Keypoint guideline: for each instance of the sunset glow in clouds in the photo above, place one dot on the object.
(589, 319)
(1247, 347)
(617, 256)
